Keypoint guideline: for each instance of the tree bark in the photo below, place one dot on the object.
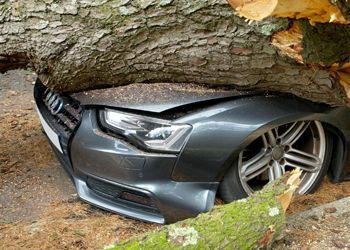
(251, 223)
(77, 45)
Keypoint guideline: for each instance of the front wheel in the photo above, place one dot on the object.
(301, 144)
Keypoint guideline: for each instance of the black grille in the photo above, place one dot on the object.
(67, 116)
(61, 112)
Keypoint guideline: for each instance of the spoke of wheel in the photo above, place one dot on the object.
(255, 166)
(296, 130)
(251, 161)
(271, 174)
(275, 171)
(264, 141)
(288, 130)
(306, 161)
(272, 138)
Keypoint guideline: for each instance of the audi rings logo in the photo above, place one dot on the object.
(54, 102)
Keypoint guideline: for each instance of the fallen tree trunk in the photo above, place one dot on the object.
(77, 45)
(251, 223)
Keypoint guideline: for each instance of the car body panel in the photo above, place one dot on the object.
(168, 187)
(94, 153)
(223, 130)
(111, 158)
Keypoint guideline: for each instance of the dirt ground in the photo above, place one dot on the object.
(39, 208)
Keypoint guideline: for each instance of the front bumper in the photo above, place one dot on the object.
(112, 174)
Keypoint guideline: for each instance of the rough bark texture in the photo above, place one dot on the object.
(251, 223)
(75, 45)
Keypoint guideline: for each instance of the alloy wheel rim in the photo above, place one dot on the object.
(300, 144)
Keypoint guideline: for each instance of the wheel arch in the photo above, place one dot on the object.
(337, 168)
(253, 115)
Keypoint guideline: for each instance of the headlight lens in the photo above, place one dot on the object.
(156, 134)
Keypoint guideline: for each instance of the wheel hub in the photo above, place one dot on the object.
(277, 153)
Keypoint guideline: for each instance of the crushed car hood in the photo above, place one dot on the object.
(156, 97)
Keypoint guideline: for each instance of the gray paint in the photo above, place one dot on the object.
(222, 130)
(94, 153)
(183, 185)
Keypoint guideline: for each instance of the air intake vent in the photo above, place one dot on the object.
(129, 197)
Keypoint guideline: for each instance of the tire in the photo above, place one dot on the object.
(235, 184)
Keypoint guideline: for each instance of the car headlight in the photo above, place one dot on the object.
(153, 133)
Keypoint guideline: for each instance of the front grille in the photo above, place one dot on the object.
(65, 111)
(121, 194)
(61, 112)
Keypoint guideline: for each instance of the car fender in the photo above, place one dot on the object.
(221, 131)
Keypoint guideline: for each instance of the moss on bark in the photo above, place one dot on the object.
(325, 43)
(244, 224)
